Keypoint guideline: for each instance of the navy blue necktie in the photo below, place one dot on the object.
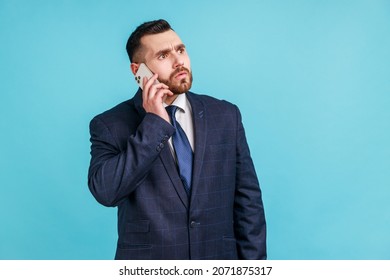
(182, 148)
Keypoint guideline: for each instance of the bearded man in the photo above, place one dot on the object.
(176, 164)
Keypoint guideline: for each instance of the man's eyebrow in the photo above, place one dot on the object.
(167, 50)
(180, 46)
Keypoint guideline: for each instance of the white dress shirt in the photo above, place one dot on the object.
(184, 117)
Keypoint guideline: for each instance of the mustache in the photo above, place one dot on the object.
(178, 70)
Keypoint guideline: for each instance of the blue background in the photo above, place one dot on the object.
(310, 77)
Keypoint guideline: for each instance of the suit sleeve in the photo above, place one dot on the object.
(249, 218)
(114, 173)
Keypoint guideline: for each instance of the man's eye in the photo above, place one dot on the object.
(182, 50)
(162, 56)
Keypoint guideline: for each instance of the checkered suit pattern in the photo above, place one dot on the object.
(133, 169)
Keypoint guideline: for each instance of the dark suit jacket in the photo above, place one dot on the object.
(132, 168)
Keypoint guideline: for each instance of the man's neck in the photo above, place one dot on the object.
(170, 99)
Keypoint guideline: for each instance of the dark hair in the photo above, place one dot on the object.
(147, 28)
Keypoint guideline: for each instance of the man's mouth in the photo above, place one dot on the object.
(181, 75)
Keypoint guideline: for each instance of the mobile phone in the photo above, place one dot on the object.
(143, 71)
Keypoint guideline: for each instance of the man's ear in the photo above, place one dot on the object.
(134, 67)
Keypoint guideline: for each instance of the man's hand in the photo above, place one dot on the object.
(153, 96)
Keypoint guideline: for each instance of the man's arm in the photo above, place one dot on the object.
(114, 174)
(249, 218)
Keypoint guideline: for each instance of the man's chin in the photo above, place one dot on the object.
(179, 89)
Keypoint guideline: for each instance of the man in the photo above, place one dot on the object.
(196, 197)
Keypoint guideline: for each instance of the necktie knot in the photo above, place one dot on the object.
(171, 109)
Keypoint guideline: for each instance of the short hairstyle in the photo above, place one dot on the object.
(147, 28)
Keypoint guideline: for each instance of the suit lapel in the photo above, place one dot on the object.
(200, 126)
(170, 167)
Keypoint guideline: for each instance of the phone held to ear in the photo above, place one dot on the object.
(143, 71)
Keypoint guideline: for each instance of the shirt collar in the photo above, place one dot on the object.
(181, 102)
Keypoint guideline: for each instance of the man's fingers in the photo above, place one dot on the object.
(161, 94)
(148, 82)
(153, 95)
(146, 85)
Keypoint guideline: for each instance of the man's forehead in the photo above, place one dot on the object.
(160, 41)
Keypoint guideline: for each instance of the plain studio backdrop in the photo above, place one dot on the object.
(312, 79)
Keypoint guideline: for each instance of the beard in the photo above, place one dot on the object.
(181, 86)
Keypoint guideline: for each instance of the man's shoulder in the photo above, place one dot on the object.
(124, 113)
(210, 101)
(118, 109)
(213, 106)
(123, 109)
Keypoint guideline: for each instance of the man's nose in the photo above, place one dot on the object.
(178, 61)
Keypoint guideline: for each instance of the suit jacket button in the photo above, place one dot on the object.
(194, 224)
(160, 147)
